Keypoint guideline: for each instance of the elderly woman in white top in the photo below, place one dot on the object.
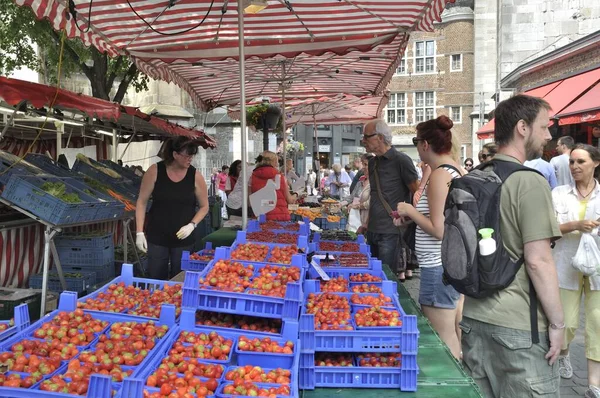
(577, 209)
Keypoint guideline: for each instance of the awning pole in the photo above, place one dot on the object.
(318, 163)
(115, 146)
(283, 121)
(60, 128)
(243, 114)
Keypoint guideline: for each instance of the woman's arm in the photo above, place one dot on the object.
(437, 191)
(148, 181)
(289, 198)
(202, 198)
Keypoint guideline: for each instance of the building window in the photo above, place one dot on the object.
(401, 69)
(424, 106)
(396, 109)
(456, 63)
(425, 56)
(456, 114)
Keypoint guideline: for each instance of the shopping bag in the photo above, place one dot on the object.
(354, 220)
(587, 258)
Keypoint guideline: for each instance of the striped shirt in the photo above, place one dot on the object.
(427, 248)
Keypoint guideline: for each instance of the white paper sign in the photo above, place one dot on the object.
(319, 270)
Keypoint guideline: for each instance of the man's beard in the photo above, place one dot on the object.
(532, 152)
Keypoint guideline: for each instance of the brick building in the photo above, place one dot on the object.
(435, 77)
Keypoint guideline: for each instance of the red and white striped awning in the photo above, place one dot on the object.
(172, 30)
(339, 109)
(215, 83)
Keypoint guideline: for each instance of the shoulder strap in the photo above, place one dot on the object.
(450, 167)
(388, 208)
(504, 169)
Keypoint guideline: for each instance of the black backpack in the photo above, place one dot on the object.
(473, 202)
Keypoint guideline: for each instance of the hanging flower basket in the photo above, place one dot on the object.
(292, 148)
(265, 117)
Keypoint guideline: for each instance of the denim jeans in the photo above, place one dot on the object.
(384, 247)
(159, 258)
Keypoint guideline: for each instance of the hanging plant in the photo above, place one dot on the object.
(292, 147)
(265, 115)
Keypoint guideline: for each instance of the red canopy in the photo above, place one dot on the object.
(14, 91)
(559, 94)
(208, 29)
(585, 109)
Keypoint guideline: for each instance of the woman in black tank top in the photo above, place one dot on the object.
(176, 189)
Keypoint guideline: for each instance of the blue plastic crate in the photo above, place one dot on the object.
(100, 386)
(21, 321)
(302, 242)
(402, 339)
(373, 264)
(103, 272)
(188, 264)
(242, 303)
(48, 165)
(265, 359)
(86, 256)
(96, 240)
(128, 279)
(289, 327)
(130, 175)
(68, 302)
(362, 248)
(322, 223)
(26, 193)
(91, 171)
(375, 269)
(9, 168)
(109, 207)
(221, 394)
(317, 238)
(78, 284)
(303, 229)
(403, 378)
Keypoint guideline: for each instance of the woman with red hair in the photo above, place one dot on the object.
(439, 302)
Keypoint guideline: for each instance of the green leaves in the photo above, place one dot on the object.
(26, 42)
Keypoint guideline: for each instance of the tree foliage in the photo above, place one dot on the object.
(19, 30)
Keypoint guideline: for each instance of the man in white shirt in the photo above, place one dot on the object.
(564, 146)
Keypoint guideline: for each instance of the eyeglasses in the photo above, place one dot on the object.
(468, 165)
(416, 140)
(185, 155)
(484, 156)
(366, 136)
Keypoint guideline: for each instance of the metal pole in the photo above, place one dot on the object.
(318, 171)
(60, 128)
(115, 146)
(48, 235)
(243, 114)
(283, 121)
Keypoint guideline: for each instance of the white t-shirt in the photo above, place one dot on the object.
(561, 167)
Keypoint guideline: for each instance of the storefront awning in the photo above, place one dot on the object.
(75, 108)
(585, 109)
(559, 95)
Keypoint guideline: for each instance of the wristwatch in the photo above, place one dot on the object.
(558, 326)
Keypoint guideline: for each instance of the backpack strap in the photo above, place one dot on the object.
(504, 169)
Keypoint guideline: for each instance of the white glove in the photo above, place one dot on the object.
(185, 231)
(140, 242)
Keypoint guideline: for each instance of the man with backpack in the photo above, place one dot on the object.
(513, 324)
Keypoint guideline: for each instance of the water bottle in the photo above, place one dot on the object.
(487, 245)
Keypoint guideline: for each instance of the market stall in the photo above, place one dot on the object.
(72, 119)
(257, 315)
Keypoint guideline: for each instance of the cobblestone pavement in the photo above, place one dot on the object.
(574, 387)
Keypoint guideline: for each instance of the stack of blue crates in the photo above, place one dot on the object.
(88, 253)
(352, 340)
